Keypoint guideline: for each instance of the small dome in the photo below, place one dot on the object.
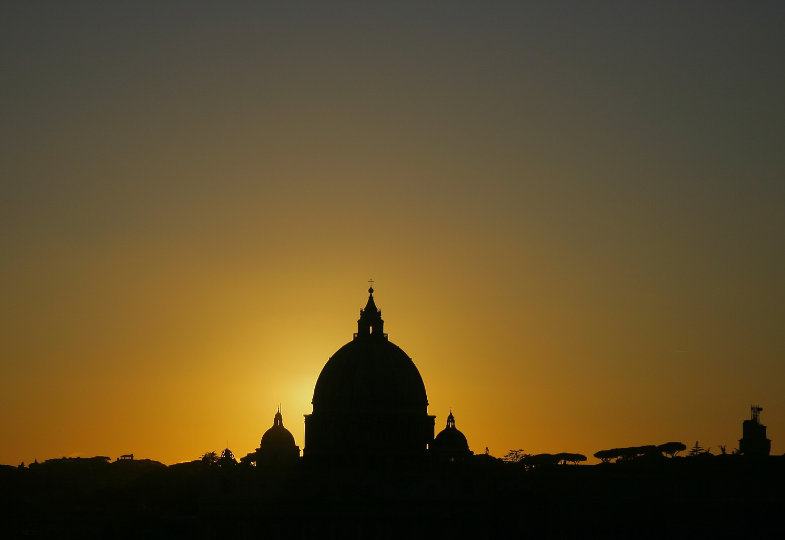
(450, 442)
(277, 437)
(452, 439)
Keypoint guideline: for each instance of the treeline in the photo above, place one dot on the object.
(630, 453)
(540, 460)
(543, 497)
(94, 461)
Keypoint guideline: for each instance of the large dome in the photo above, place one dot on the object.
(371, 374)
(369, 399)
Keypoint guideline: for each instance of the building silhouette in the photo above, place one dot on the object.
(227, 459)
(369, 402)
(753, 441)
(450, 444)
(277, 446)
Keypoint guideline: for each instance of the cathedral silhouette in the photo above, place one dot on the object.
(369, 406)
(372, 468)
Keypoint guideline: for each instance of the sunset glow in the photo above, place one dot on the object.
(574, 217)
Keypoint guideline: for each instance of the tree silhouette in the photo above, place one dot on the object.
(697, 450)
(249, 460)
(606, 455)
(566, 457)
(540, 460)
(670, 449)
(628, 453)
(515, 456)
(209, 458)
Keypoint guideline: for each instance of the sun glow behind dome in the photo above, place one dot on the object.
(190, 203)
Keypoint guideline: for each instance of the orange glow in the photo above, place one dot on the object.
(578, 241)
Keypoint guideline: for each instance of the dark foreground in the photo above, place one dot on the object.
(716, 497)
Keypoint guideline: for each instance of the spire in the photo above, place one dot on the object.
(278, 420)
(451, 421)
(370, 306)
(370, 322)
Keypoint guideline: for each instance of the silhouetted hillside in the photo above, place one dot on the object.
(721, 496)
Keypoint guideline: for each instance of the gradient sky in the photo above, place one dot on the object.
(574, 214)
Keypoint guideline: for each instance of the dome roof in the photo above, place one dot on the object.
(277, 436)
(450, 439)
(370, 373)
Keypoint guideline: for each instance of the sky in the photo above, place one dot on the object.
(574, 214)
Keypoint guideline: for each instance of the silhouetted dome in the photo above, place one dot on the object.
(451, 438)
(370, 374)
(369, 400)
(277, 436)
(277, 446)
(450, 442)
